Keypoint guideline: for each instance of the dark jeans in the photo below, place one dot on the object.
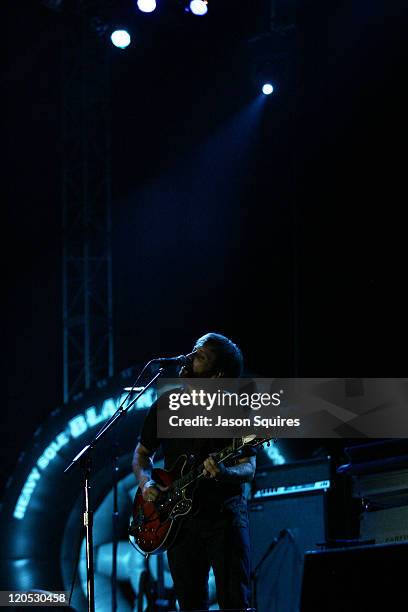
(220, 541)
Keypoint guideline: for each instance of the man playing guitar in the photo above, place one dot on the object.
(216, 534)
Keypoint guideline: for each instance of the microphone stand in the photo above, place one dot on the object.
(84, 459)
(255, 573)
(115, 517)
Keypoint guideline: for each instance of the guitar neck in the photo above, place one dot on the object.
(197, 472)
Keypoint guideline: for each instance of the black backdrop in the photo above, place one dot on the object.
(212, 189)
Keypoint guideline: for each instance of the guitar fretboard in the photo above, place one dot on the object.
(196, 472)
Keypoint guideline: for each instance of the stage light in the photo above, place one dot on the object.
(146, 6)
(198, 7)
(267, 89)
(120, 38)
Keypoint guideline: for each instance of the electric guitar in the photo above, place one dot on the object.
(154, 525)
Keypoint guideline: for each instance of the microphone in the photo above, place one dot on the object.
(179, 360)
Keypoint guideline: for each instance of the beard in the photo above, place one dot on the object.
(186, 371)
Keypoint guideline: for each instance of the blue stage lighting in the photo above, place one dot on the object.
(267, 89)
(198, 7)
(120, 38)
(146, 6)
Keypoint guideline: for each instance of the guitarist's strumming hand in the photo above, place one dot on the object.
(151, 490)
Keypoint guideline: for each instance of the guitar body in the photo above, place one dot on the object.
(155, 525)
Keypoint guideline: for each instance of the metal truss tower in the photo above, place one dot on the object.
(88, 354)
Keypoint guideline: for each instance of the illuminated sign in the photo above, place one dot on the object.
(75, 428)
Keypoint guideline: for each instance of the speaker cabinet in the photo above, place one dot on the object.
(358, 579)
(385, 526)
(298, 522)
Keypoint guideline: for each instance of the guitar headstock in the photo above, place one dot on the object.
(252, 440)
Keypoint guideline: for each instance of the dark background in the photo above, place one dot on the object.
(279, 222)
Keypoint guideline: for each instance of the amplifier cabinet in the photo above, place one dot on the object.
(385, 526)
(291, 524)
(357, 579)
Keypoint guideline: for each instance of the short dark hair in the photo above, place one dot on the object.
(229, 359)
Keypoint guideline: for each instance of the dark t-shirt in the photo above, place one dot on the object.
(210, 495)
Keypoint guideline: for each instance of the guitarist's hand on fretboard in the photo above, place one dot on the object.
(211, 468)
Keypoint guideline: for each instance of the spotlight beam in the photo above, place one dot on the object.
(199, 7)
(120, 39)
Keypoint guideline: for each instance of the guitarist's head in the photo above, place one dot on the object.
(214, 356)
